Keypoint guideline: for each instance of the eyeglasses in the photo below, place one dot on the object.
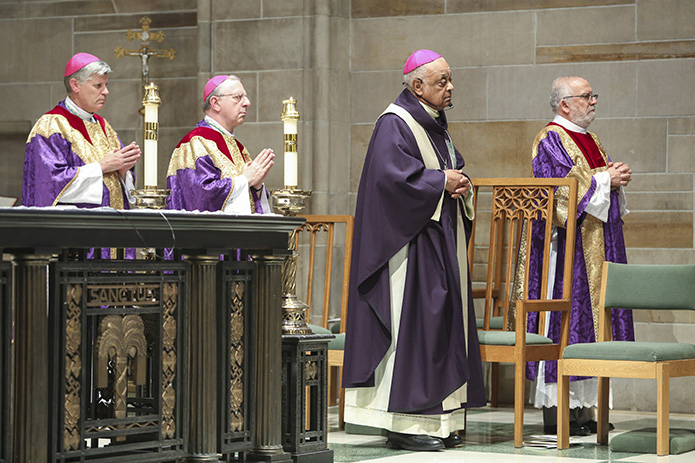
(587, 96)
(237, 96)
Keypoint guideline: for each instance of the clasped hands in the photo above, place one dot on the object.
(457, 184)
(620, 174)
(121, 160)
(257, 170)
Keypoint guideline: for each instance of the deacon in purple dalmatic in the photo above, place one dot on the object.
(565, 149)
(210, 170)
(412, 359)
(73, 156)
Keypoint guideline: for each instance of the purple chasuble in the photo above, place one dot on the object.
(196, 180)
(604, 242)
(396, 199)
(57, 147)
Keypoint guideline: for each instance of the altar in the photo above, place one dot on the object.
(147, 360)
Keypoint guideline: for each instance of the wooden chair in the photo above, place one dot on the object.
(516, 202)
(315, 226)
(650, 287)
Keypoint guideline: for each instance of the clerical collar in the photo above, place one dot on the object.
(430, 110)
(77, 111)
(569, 125)
(215, 125)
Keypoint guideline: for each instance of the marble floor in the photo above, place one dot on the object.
(489, 439)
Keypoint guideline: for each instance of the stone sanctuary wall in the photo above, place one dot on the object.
(342, 60)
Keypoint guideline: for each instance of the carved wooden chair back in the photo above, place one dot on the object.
(517, 207)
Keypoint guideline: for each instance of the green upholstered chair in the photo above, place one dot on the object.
(645, 287)
(515, 202)
(331, 277)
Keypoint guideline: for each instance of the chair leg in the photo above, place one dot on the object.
(563, 408)
(662, 408)
(519, 393)
(341, 404)
(494, 384)
(603, 393)
(332, 380)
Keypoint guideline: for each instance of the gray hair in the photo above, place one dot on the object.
(560, 90)
(83, 75)
(218, 90)
(419, 72)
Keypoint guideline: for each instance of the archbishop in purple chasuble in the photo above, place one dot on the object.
(412, 358)
(566, 149)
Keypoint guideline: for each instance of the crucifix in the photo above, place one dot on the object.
(145, 52)
(150, 196)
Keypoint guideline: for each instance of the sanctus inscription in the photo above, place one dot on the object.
(123, 295)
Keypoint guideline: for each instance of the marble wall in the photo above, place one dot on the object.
(342, 61)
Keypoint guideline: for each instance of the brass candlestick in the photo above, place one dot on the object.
(289, 201)
(151, 197)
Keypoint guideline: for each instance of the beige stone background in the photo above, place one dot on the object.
(342, 60)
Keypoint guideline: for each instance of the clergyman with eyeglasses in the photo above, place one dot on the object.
(565, 148)
(210, 170)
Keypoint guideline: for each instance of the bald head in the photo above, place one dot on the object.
(572, 98)
(564, 87)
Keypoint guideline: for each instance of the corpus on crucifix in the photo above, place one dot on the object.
(150, 197)
(145, 52)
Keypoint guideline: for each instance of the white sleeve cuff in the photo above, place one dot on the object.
(128, 186)
(265, 205)
(622, 202)
(239, 202)
(600, 201)
(87, 186)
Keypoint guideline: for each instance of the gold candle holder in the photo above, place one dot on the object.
(290, 201)
(151, 197)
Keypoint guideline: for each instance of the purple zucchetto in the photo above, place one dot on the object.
(79, 61)
(212, 85)
(419, 58)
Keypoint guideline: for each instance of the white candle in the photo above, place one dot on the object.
(290, 169)
(150, 153)
(290, 128)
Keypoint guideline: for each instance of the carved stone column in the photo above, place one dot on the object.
(202, 365)
(30, 416)
(268, 384)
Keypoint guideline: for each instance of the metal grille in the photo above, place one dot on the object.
(5, 376)
(304, 394)
(235, 356)
(117, 356)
